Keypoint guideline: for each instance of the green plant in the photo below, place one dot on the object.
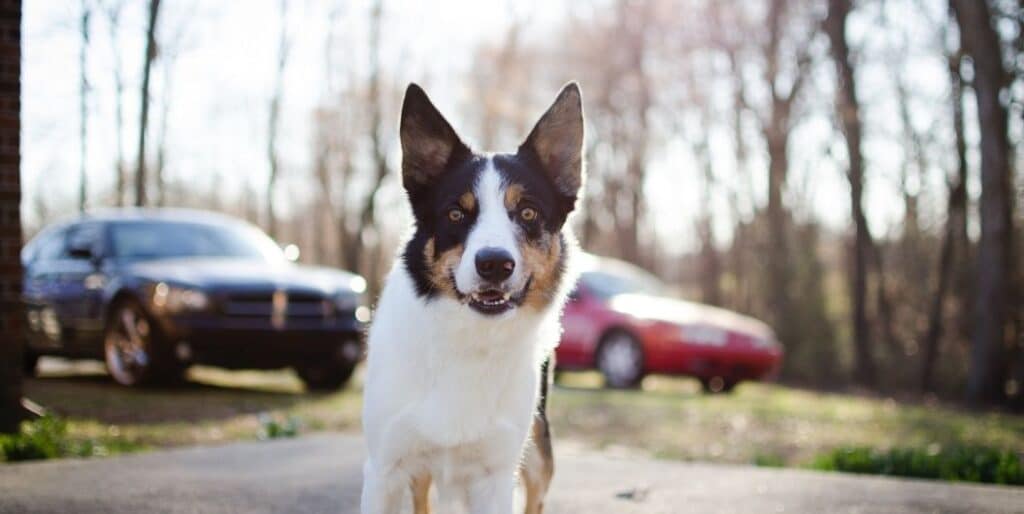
(47, 438)
(958, 463)
(43, 438)
(767, 460)
(274, 428)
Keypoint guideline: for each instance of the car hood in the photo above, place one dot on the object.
(246, 274)
(688, 313)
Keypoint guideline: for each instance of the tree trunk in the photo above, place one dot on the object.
(150, 56)
(776, 125)
(167, 65)
(367, 218)
(113, 19)
(83, 107)
(849, 119)
(273, 159)
(955, 235)
(778, 249)
(994, 260)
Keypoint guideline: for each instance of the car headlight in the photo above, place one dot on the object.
(704, 335)
(178, 299)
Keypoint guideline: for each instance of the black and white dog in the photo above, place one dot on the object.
(469, 314)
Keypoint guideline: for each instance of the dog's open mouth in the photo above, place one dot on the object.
(493, 301)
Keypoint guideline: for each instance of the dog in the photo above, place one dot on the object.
(470, 313)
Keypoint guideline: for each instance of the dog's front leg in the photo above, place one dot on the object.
(493, 493)
(382, 490)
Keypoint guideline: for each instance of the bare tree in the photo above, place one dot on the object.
(848, 110)
(161, 146)
(171, 42)
(955, 243)
(738, 253)
(710, 266)
(113, 13)
(273, 159)
(367, 220)
(639, 144)
(994, 260)
(148, 58)
(786, 61)
(83, 104)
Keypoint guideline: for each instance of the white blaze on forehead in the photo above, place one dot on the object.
(493, 228)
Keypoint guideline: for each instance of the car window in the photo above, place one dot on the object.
(144, 240)
(606, 285)
(86, 236)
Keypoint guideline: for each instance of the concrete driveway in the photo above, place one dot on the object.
(323, 473)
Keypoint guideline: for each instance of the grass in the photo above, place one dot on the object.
(958, 463)
(763, 423)
(759, 424)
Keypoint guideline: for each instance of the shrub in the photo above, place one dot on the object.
(47, 438)
(958, 463)
(43, 438)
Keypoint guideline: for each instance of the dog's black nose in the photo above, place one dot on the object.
(494, 264)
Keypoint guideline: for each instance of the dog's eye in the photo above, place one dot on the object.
(528, 213)
(456, 215)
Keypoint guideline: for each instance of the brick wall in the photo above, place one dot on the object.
(11, 316)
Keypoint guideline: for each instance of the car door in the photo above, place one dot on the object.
(79, 296)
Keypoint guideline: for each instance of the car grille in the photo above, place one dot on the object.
(261, 305)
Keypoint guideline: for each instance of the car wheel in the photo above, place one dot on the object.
(717, 385)
(29, 363)
(326, 376)
(133, 350)
(621, 360)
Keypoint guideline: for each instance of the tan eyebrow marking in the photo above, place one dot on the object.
(513, 194)
(467, 200)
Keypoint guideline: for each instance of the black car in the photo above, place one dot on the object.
(153, 291)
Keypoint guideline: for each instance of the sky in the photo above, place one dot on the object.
(218, 74)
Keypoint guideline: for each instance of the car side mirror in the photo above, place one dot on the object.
(80, 252)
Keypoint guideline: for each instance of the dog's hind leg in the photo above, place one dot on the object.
(420, 486)
(539, 462)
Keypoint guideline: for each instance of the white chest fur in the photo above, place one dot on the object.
(450, 392)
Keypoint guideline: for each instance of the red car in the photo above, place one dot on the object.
(620, 321)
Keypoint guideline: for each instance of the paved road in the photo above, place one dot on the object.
(322, 474)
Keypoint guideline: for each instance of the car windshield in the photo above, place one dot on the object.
(147, 240)
(607, 283)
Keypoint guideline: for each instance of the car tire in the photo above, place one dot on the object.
(133, 349)
(29, 363)
(620, 358)
(326, 376)
(717, 385)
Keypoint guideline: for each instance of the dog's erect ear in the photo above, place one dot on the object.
(429, 144)
(557, 141)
